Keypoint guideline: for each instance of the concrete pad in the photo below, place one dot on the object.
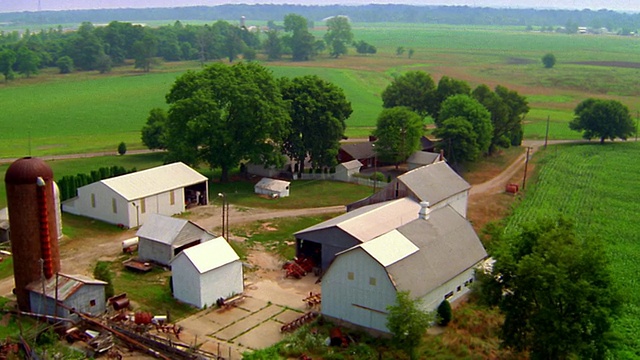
(225, 317)
(286, 292)
(200, 326)
(252, 304)
(265, 335)
(249, 322)
(287, 316)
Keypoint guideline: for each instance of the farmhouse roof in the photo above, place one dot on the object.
(350, 165)
(364, 150)
(272, 184)
(170, 231)
(370, 221)
(426, 143)
(434, 182)
(423, 158)
(210, 255)
(153, 181)
(67, 285)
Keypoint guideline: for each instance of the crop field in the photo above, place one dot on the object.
(596, 186)
(82, 112)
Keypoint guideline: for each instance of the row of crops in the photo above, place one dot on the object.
(596, 186)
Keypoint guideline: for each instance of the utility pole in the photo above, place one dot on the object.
(546, 135)
(526, 163)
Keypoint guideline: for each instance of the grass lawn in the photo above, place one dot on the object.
(596, 186)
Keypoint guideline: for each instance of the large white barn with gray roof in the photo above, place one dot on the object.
(128, 200)
(433, 257)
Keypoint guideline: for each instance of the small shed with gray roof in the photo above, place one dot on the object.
(323, 241)
(205, 273)
(436, 184)
(345, 170)
(433, 257)
(272, 188)
(161, 238)
(127, 200)
(422, 158)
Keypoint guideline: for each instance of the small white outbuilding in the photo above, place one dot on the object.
(272, 187)
(202, 274)
(345, 170)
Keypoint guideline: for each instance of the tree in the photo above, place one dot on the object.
(448, 87)
(445, 314)
(363, 47)
(7, 60)
(604, 119)
(273, 45)
(398, 131)
(103, 63)
(555, 290)
(400, 50)
(225, 114)
(65, 64)
(338, 35)
(318, 110)
(122, 148)
(474, 112)
(458, 140)
(549, 60)
(410, 53)
(414, 89)
(301, 40)
(84, 47)
(144, 50)
(27, 61)
(102, 272)
(407, 323)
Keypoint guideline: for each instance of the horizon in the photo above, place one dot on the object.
(62, 5)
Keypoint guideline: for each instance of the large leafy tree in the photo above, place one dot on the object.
(398, 131)
(555, 290)
(301, 40)
(225, 114)
(27, 61)
(7, 60)
(318, 111)
(414, 89)
(273, 45)
(507, 109)
(84, 47)
(458, 140)
(603, 119)
(448, 87)
(153, 132)
(144, 50)
(338, 35)
(470, 109)
(408, 323)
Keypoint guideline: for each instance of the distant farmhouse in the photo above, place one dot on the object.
(128, 200)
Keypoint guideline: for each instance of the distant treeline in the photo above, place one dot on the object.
(455, 15)
(69, 185)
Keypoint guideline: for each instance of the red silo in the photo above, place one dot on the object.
(34, 235)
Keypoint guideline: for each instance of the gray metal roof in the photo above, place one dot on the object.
(171, 231)
(448, 246)
(353, 164)
(67, 285)
(153, 181)
(357, 151)
(370, 221)
(434, 183)
(423, 158)
(272, 184)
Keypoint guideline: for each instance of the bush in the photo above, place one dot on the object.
(444, 313)
(102, 272)
(122, 148)
(549, 60)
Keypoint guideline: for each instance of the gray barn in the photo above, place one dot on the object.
(81, 293)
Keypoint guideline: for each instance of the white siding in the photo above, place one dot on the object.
(222, 282)
(186, 281)
(458, 202)
(357, 301)
(103, 201)
(430, 301)
(155, 251)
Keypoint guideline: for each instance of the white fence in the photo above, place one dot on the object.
(352, 179)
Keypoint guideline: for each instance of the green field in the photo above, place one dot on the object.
(60, 114)
(596, 185)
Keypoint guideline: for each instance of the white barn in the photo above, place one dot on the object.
(162, 238)
(202, 274)
(433, 257)
(272, 187)
(128, 200)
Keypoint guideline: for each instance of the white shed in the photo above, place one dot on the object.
(127, 200)
(433, 257)
(161, 238)
(345, 170)
(272, 187)
(202, 274)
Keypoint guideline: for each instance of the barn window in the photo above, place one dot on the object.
(93, 200)
(459, 288)
(448, 295)
(114, 205)
(172, 197)
(143, 206)
(372, 281)
(92, 303)
(350, 275)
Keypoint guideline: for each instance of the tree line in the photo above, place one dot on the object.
(101, 47)
(456, 15)
(69, 184)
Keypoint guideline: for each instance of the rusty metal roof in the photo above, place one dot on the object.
(67, 285)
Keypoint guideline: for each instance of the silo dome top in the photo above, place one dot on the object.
(27, 170)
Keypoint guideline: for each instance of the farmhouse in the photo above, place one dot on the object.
(161, 238)
(323, 241)
(129, 199)
(433, 257)
(345, 170)
(84, 294)
(422, 158)
(363, 152)
(436, 184)
(272, 187)
(205, 273)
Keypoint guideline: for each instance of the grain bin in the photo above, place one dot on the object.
(34, 227)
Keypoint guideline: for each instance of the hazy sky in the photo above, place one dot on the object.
(32, 5)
